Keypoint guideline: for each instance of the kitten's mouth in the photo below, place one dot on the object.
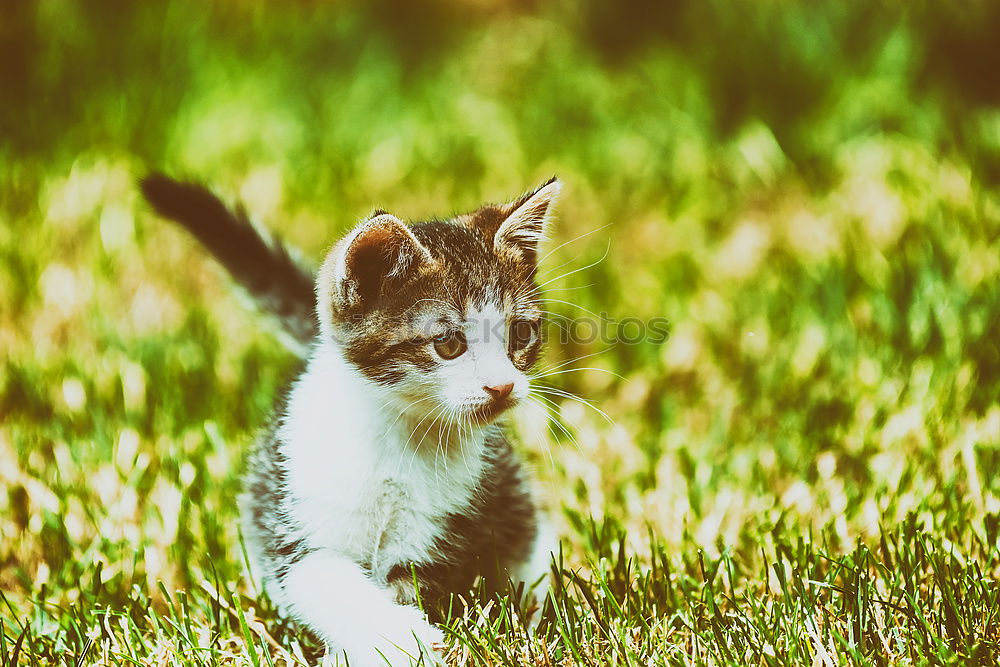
(486, 413)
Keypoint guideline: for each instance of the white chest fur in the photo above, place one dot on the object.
(358, 485)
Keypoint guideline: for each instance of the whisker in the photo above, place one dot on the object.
(553, 313)
(399, 416)
(569, 289)
(577, 370)
(573, 397)
(582, 268)
(573, 360)
(573, 240)
(551, 408)
(548, 426)
(575, 305)
(417, 427)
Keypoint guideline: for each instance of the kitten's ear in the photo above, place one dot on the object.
(379, 254)
(526, 217)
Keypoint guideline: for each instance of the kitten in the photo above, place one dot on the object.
(385, 464)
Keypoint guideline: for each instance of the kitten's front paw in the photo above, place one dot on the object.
(407, 637)
(401, 639)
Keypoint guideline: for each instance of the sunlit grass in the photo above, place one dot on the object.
(805, 472)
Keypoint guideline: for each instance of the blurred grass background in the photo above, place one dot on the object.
(807, 191)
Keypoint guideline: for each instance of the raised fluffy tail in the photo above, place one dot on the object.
(261, 264)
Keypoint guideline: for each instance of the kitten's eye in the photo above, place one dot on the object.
(523, 334)
(450, 345)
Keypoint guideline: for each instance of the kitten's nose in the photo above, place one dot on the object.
(498, 392)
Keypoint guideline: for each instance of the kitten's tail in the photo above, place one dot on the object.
(261, 264)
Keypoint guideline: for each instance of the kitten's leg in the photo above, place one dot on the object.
(332, 596)
(535, 570)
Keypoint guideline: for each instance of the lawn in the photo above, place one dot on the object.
(805, 471)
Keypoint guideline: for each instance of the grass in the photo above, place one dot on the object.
(805, 472)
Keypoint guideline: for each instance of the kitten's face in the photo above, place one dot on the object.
(444, 315)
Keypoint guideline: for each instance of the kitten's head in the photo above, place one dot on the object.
(443, 314)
